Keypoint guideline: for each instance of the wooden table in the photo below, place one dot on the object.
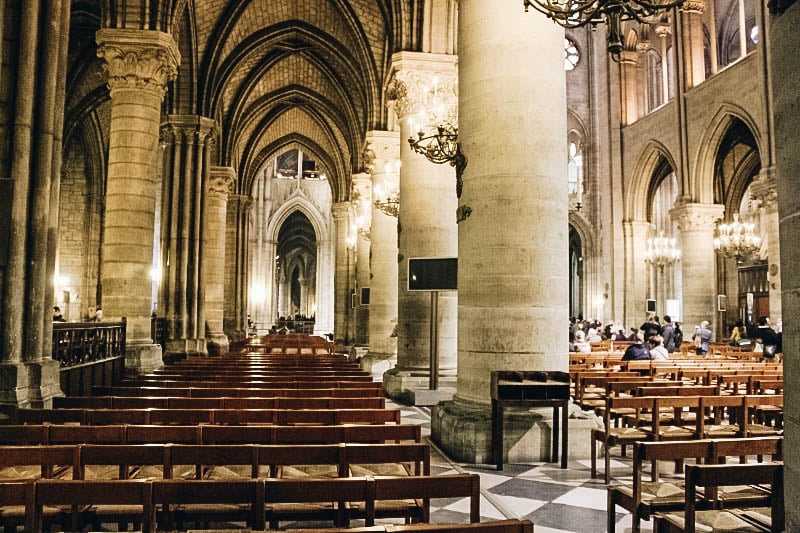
(528, 389)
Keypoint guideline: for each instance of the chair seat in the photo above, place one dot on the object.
(626, 433)
(381, 469)
(654, 492)
(101, 472)
(230, 472)
(714, 521)
(20, 473)
(308, 471)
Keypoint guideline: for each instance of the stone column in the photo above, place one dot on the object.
(785, 49)
(221, 180)
(694, 61)
(344, 279)
(29, 188)
(635, 234)
(186, 177)
(513, 247)
(324, 287)
(628, 60)
(236, 235)
(362, 196)
(139, 64)
(427, 223)
(382, 154)
(765, 188)
(696, 224)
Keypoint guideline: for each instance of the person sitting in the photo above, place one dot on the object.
(57, 316)
(98, 316)
(592, 336)
(581, 346)
(768, 339)
(637, 351)
(658, 352)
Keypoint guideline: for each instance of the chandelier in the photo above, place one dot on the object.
(576, 13)
(661, 251)
(441, 147)
(736, 239)
(387, 201)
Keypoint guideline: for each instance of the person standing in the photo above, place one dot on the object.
(668, 333)
(702, 338)
(57, 316)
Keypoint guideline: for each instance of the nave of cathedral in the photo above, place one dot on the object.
(213, 170)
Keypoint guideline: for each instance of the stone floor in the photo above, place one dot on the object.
(555, 500)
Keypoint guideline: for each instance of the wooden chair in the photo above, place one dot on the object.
(26, 463)
(610, 436)
(178, 502)
(121, 461)
(156, 434)
(17, 505)
(315, 499)
(743, 520)
(212, 461)
(93, 502)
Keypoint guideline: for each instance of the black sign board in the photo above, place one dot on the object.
(433, 274)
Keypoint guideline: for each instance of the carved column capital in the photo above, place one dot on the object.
(380, 148)
(424, 83)
(188, 128)
(697, 217)
(143, 60)
(221, 181)
(629, 57)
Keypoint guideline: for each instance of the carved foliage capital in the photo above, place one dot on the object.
(221, 181)
(694, 6)
(188, 129)
(380, 150)
(144, 60)
(765, 189)
(697, 217)
(412, 91)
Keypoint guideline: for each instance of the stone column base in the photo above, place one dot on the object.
(217, 344)
(30, 384)
(182, 348)
(464, 431)
(400, 384)
(142, 358)
(378, 363)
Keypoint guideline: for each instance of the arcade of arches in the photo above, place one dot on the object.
(218, 164)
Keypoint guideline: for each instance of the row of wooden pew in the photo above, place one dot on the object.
(169, 504)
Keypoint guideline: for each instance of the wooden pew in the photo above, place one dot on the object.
(16, 505)
(179, 501)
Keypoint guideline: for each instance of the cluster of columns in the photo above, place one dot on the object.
(29, 186)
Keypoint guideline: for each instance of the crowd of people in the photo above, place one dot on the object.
(656, 340)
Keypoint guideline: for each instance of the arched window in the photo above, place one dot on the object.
(655, 84)
(575, 168)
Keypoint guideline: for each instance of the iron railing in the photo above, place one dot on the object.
(76, 343)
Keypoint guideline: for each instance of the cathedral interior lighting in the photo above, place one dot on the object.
(737, 239)
(662, 251)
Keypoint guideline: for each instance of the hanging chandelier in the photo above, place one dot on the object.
(441, 147)
(576, 13)
(737, 239)
(387, 201)
(661, 251)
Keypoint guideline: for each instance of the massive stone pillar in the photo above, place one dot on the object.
(694, 61)
(236, 270)
(362, 196)
(765, 188)
(139, 63)
(427, 222)
(344, 279)
(383, 156)
(186, 179)
(221, 180)
(29, 188)
(513, 245)
(696, 223)
(635, 234)
(784, 47)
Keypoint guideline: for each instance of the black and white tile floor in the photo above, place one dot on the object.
(555, 500)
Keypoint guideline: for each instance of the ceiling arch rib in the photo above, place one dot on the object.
(251, 121)
(283, 121)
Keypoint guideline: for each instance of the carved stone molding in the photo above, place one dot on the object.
(697, 217)
(138, 59)
(221, 181)
(765, 189)
(694, 6)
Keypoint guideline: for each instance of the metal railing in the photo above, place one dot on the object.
(76, 343)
